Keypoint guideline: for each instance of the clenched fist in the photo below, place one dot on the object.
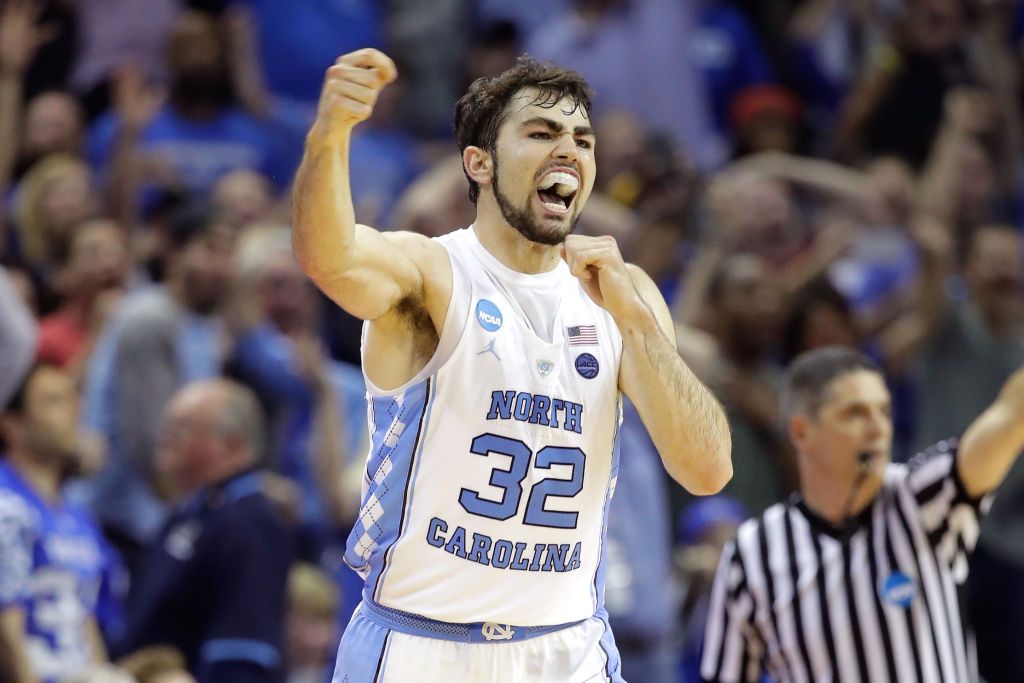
(351, 88)
(597, 263)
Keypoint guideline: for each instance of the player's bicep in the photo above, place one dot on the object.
(385, 269)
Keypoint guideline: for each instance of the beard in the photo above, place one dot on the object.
(206, 87)
(525, 221)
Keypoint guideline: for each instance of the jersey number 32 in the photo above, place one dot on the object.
(511, 482)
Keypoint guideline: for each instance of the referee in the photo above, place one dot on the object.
(855, 579)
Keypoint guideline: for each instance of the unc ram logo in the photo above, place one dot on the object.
(492, 631)
(488, 315)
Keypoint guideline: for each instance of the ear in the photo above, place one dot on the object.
(799, 427)
(479, 165)
(9, 423)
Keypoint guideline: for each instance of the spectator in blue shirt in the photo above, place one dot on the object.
(729, 54)
(199, 134)
(213, 583)
(52, 558)
(299, 39)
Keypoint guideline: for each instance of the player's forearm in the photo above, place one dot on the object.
(684, 419)
(323, 217)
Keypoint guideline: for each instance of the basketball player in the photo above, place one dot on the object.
(494, 357)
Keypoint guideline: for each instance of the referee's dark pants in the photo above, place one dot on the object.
(996, 603)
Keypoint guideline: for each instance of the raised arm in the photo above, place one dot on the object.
(992, 443)
(684, 419)
(366, 272)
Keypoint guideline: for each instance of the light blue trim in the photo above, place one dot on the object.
(431, 388)
(362, 651)
(384, 531)
(613, 666)
(479, 632)
(597, 585)
(384, 658)
(242, 650)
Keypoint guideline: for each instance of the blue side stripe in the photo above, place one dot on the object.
(383, 412)
(240, 650)
(613, 663)
(382, 664)
(362, 651)
(387, 413)
(597, 586)
(414, 468)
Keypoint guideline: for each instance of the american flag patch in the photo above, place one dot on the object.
(582, 335)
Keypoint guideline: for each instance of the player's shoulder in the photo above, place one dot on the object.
(416, 244)
(430, 255)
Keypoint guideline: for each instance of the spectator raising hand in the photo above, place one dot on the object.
(136, 105)
(21, 34)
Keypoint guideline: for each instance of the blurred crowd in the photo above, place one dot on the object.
(792, 174)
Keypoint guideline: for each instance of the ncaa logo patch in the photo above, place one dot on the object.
(488, 315)
(587, 366)
(898, 590)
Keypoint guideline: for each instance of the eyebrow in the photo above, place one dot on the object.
(863, 404)
(555, 126)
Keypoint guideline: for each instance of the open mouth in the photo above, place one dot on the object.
(557, 190)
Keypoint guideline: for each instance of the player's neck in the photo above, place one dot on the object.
(513, 250)
(43, 478)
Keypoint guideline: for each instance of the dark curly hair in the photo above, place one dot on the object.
(481, 111)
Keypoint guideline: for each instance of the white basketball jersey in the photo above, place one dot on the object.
(490, 472)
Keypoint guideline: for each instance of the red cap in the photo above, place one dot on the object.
(755, 100)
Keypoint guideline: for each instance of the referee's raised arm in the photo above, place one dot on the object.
(992, 443)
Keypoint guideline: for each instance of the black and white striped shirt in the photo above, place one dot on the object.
(877, 603)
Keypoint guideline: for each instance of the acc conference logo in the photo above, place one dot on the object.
(898, 590)
(587, 366)
(488, 315)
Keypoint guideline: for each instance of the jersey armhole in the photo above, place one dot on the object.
(451, 333)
